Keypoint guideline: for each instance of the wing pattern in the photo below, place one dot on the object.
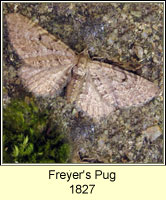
(104, 88)
(47, 61)
(95, 87)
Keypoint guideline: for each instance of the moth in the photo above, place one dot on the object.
(49, 65)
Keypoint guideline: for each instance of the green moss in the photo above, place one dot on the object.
(29, 136)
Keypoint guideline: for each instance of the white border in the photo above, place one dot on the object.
(88, 164)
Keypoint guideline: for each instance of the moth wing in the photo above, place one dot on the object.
(119, 87)
(105, 88)
(46, 81)
(44, 56)
(88, 99)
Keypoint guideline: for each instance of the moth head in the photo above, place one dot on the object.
(82, 61)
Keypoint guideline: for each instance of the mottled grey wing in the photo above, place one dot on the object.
(106, 87)
(47, 60)
(83, 92)
(119, 87)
